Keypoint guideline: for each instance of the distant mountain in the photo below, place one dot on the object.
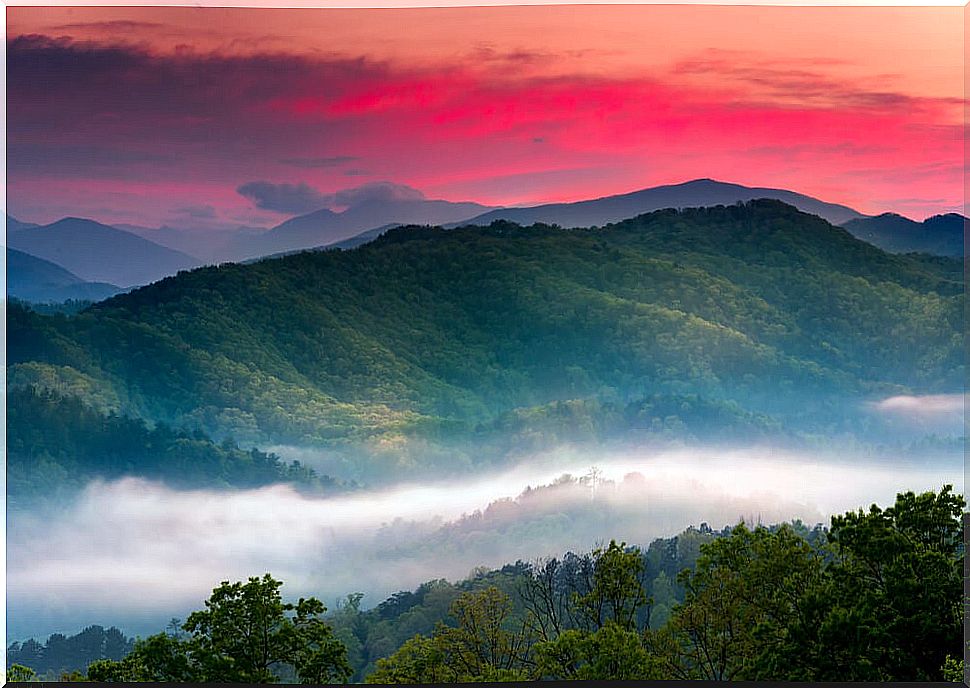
(940, 235)
(694, 194)
(15, 225)
(352, 242)
(363, 237)
(207, 244)
(34, 279)
(325, 227)
(100, 253)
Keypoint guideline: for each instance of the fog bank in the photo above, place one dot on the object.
(135, 553)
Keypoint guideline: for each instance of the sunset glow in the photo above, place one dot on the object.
(157, 115)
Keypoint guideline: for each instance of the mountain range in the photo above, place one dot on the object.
(692, 194)
(425, 332)
(130, 255)
(34, 279)
(208, 245)
(95, 252)
(325, 227)
(940, 235)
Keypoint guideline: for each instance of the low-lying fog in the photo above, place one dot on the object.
(134, 554)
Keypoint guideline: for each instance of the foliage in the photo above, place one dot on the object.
(57, 443)
(876, 596)
(611, 653)
(488, 642)
(60, 653)
(68, 307)
(480, 647)
(898, 583)
(246, 634)
(953, 670)
(771, 315)
(617, 593)
(880, 598)
(739, 603)
(18, 673)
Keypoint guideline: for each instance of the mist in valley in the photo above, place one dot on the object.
(136, 553)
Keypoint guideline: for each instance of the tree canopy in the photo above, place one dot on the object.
(757, 307)
(245, 634)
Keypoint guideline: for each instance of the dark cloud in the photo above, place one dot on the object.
(296, 199)
(103, 162)
(798, 80)
(521, 56)
(197, 212)
(217, 107)
(375, 192)
(302, 198)
(315, 163)
(116, 25)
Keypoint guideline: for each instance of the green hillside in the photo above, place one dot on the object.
(56, 444)
(434, 333)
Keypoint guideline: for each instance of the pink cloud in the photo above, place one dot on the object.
(170, 125)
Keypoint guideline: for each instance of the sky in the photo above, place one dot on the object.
(211, 118)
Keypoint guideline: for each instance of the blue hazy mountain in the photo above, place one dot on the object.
(693, 194)
(30, 278)
(208, 244)
(97, 252)
(941, 235)
(323, 227)
(15, 225)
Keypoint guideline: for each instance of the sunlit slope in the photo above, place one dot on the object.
(430, 330)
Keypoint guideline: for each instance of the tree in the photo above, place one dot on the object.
(953, 670)
(739, 604)
(18, 673)
(480, 647)
(606, 642)
(611, 653)
(419, 660)
(617, 593)
(73, 677)
(482, 642)
(246, 634)
(898, 588)
(550, 591)
(880, 598)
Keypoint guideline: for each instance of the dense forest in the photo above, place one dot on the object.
(62, 655)
(56, 444)
(726, 321)
(876, 595)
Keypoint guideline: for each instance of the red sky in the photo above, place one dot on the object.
(159, 115)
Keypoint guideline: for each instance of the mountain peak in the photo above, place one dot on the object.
(78, 221)
(701, 181)
(940, 235)
(702, 192)
(96, 252)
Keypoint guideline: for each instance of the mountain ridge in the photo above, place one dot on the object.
(939, 234)
(97, 252)
(37, 280)
(424, 329)
(702, 192)
(323, 227)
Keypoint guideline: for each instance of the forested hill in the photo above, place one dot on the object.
(426, 330)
